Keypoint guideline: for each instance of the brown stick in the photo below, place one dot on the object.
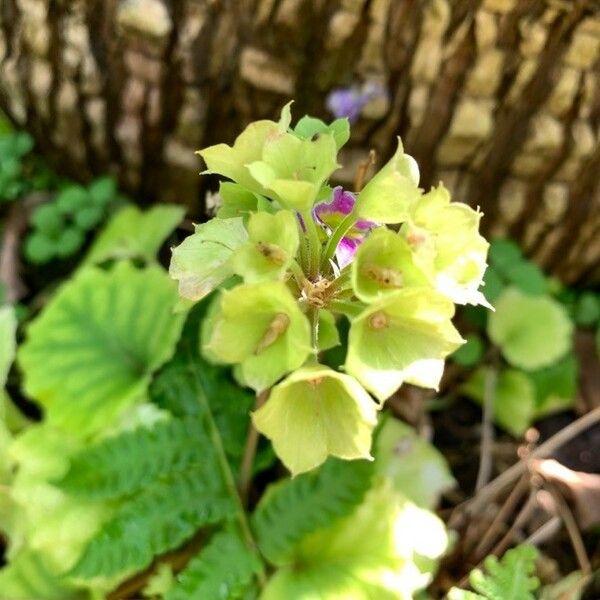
(363, 169)
(487, 429)
(245, 477)
(495, 486)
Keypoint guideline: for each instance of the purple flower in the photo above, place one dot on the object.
(348, 102)
(330, 214)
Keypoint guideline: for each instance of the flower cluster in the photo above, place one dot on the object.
(295, 255)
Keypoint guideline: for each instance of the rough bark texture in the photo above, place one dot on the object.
(498, 98)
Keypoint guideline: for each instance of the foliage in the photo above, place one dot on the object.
(93, 350)
(59, 226)
(531, 332)
(223, 569)
(510, 578)
(294, 247)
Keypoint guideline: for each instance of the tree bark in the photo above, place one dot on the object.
(500, 99)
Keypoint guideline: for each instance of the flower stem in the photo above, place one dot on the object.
(339, 232)
(298, 273)
(314, 243)
(245, 477)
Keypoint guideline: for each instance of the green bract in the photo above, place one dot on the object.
(403, 338)
(531, 331)
(384, 264)
(314, 413)
(202, 261)
(390, 194)
(271, 248)
(387, 549)
(262, 327)
(92, 351)
(446, 240)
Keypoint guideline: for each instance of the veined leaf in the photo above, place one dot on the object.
(159, 519)
(292, 509)
(128, 462)
(92, 351)
(133, 233)
(223, 570)
(510, 578)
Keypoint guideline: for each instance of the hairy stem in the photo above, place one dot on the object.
(245, 478)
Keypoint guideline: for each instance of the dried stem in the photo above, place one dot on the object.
(487, 429)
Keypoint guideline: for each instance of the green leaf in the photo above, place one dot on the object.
(102, 191)
(528, 277)
(384, 264)
(69, 242)
(71, 199)
(272, 246)
(504, 255)
(556, 386)
(492, 284)
(389, 195)
(130, 461)
(261, 326)
(315, 413)
(224, 570)
(238, 201)
(294, 508)
(92, 351)
(329, 336)
(160, 518)
(8, 343)
(202, 261)
(24, 143)
(307, 127)
(510, 578)
(48, 219)
(403, 338)
(532, 332)
(133, 233)
(387, 549)
(471, 353)
(514, 398)
(39, 248)
(417, 469)
(88, 217)
(587, 309)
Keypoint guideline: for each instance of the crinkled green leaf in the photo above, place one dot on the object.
(531, 331)
(384, 264)
(202, 261)
(387, 549)
(261, 326)
(505, 254)
(92, 351)
(528, 277)
(514, 398)
(417, 469)
(389, 195)
(315, 413)
(402, 338)
(237, 201)
(492, 284)
(272, 246)
(133, 233)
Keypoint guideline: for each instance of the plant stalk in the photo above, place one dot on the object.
(338, 233)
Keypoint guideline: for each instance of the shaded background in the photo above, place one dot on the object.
(498, 98)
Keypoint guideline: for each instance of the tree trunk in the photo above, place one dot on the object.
(498, 98)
